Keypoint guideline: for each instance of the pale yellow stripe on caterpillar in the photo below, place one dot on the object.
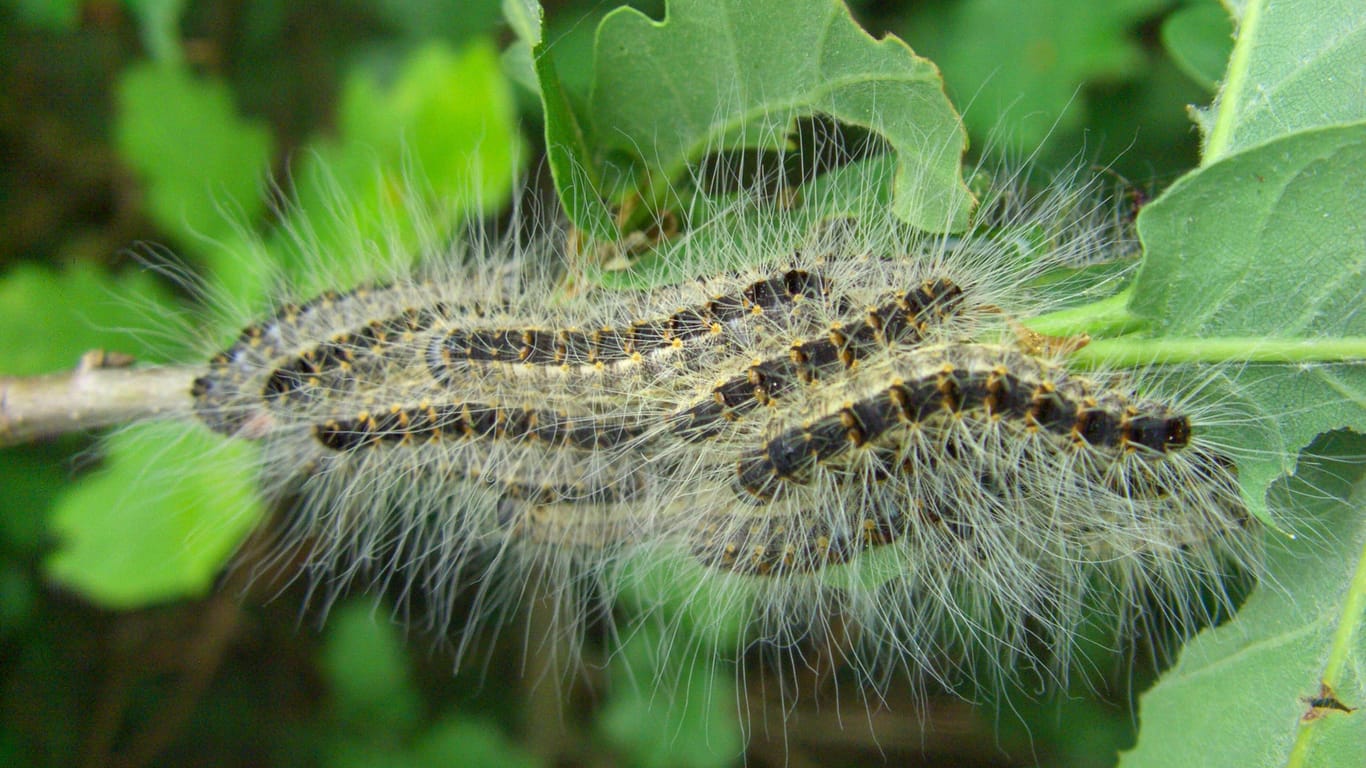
(999, 392)
(375, 353)
(355, 364)
(688, 340)
(922, 493)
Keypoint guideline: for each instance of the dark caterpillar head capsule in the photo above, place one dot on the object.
(1158, 433)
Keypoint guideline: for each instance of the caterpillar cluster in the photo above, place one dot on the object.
(847, 430)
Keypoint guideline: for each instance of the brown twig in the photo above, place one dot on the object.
(102, 390)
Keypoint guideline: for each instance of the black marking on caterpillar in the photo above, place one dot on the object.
(806, 540)
(779, 545)
(330, 363)
(409, 425)
(272, 336)
(228, 395)
(903, 322)
(217, 394)
(569, 347)
(947, 385)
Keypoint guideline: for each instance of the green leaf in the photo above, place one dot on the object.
(76, 310)
(448, 112)
(684, 717)
(713, 610)
(524, 16)
(447, 118)
(1199, 39)
(127, 540)
(181, 134)
(718, 75)
(469, 742)
(1294, 66)
(1020, 67)
(367, 670)
(567, 150)
(159, 26)
(1239, 694)
(1268, 242)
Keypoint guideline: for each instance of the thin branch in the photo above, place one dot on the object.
(103, 390)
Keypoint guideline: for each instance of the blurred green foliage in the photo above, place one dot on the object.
(165, 122)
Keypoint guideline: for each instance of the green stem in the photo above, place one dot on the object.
(1107, 317)
(1139, 353)
(1235, 84)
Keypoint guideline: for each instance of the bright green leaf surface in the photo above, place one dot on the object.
(126, 542)
(1294, 66)
(1237, 697)
(1199, 39)
(1268, 242)
(712, 611)
(183, 136)
(415, 158)
(534, 67)
(569, 37)
(76, 310)
(723, 74)
(573, 38)
(448, 113)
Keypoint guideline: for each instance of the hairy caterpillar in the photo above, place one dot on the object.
(588, 544)
(836, 436)
(833, 426)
